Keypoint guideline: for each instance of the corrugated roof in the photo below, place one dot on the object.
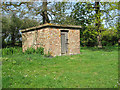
(50, 25)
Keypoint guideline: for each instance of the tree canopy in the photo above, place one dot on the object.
(96, 19)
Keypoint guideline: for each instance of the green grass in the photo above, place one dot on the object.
(93, 68)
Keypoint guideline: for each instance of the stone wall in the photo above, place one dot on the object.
(28, 40)
(42, 39)
(54, 42)
(74, 42)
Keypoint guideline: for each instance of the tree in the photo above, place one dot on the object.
(109, 14)
(23, 15)
(82, 15)
(15, 26)
(60, 14)
(44, 12)
(97, 10)
(5, 28)
(91, 16)
(26, 23)
(11, 26)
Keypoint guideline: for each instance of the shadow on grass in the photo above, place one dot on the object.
(104, 48)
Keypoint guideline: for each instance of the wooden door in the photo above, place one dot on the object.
(64, 42)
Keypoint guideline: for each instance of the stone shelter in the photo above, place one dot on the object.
(56, 39)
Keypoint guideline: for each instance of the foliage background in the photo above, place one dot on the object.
(21, 15)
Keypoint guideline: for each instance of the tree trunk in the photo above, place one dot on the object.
(99, 41)
(44, 13)
(97, 9)
(13, 39)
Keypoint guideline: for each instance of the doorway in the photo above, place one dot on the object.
(64, 42)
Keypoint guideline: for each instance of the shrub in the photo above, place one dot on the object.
(39, 50)
(30, 51)
(18, 50)
(109, 37)
(89, 36)
(11, 50)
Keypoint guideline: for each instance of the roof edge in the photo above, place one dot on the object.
(51, 25)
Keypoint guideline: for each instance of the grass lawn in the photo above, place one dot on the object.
(92, 68)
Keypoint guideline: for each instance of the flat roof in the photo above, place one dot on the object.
(51, 26)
